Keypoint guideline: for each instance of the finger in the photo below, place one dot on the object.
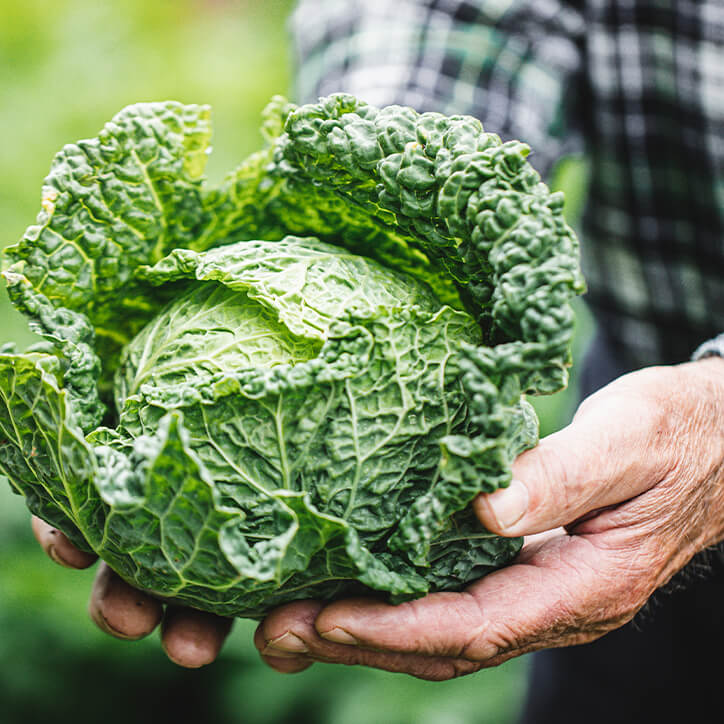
(440, 624)
(120, 609)
(290, 632)
(277, 634)
(281, 661)
(603, 458)
(565, 593)
(58, 547)
(193, 638)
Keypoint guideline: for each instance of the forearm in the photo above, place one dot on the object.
(709, 363)
(709, 359)
(697, 440)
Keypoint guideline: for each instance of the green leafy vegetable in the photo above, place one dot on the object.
(293, 384)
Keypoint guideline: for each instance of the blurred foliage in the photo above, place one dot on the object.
(65, 68)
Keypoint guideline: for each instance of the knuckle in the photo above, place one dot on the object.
(435, 669)
(462, 667)
(500, 639)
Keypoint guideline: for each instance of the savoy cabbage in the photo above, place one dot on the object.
(293, 384)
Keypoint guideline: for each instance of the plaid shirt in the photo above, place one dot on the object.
(636, 85)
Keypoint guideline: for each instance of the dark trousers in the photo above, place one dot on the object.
(667, 665)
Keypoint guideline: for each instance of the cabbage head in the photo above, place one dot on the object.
(293, 384)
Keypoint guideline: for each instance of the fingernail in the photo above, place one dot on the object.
(339, 636)
(287, 643)
(53, 553)
(102, 622)
(510, 504)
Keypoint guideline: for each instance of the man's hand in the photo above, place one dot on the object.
(190, 638)
(620, 500)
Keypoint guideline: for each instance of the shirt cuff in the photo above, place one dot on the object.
(711, 348)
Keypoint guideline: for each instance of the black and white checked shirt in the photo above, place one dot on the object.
(636, 85)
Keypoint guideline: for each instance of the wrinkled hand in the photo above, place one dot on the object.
(190, 638)
(637, 479)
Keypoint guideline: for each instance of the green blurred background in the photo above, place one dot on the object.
(65, 68)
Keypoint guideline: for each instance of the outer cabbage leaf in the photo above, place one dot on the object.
(42, 450)
(110, 204)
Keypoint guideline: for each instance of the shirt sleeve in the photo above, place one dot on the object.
(514, 64)
(711, 348)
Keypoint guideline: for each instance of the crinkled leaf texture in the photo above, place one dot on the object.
(294, 384)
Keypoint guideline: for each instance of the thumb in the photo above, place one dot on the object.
(607, 455)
